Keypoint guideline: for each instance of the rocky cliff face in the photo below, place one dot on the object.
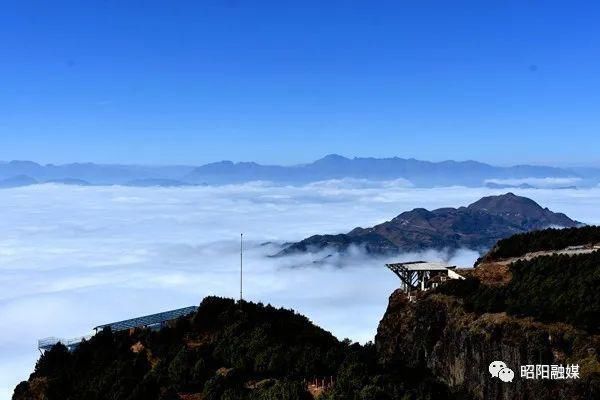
(437, 333)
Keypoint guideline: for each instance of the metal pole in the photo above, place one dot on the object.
(241, 266)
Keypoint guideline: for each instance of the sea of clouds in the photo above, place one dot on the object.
(75, 257)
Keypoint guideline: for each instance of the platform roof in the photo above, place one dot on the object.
(49, 343)
(148, 320)
(421, 266)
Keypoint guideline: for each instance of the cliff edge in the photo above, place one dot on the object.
(539, 311)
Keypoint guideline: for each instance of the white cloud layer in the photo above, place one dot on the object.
(74, 257)
(545, 183)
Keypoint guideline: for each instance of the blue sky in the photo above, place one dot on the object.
(189, 82)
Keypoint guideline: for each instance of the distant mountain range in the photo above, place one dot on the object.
(475, 227)
(413, 172)
(419, 173)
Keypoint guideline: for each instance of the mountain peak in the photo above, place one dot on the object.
(478, 227)
(17, 181)
(24, 163)
(329, 158)
(506, 203)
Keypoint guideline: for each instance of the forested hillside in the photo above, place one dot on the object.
(557, 288)
(544, 240)
(224, 351)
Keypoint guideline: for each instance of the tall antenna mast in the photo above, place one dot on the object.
(241, 266)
